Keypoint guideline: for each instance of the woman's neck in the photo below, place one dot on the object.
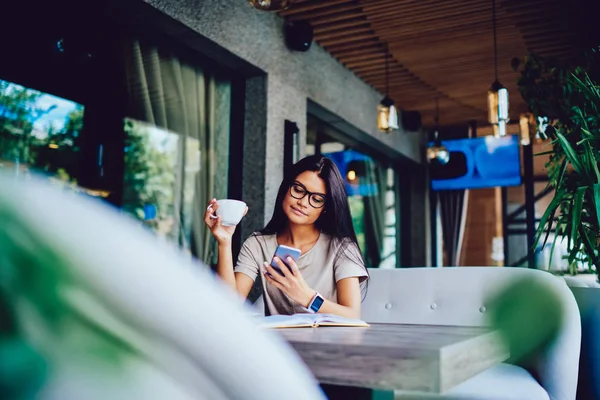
(300, 235)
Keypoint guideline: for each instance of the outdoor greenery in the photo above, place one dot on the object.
(568, 95)
(53, 152)
(150, 175)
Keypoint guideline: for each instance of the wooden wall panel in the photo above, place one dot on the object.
(479, 229)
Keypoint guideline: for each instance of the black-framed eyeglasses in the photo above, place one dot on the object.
(299, 191)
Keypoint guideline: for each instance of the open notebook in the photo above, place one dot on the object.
(309, 321)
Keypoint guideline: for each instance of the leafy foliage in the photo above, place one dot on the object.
(150, 173)
(53, 151)
(569, 96)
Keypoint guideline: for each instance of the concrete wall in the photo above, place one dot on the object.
(291, 79)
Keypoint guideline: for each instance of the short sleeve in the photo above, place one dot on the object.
(247, 262)
(349, 263)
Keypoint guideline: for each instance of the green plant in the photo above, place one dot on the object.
(569, 96)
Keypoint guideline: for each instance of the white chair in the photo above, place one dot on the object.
(457, 296)
(124, 316)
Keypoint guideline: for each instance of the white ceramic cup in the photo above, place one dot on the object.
(230, 211)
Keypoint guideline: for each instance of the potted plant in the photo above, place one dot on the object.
(568, 96)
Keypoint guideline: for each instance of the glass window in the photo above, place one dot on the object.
(177, 145)
(372, 194)
(39, 132)
(151, 161)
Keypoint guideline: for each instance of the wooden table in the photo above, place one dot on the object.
(415, 358)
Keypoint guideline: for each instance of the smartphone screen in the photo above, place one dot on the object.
(283, 252)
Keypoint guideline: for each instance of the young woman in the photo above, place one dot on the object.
(311, 214)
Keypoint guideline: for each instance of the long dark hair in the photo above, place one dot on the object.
(335, 220)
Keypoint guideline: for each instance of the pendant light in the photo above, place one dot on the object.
(498, 94)
(387, 116)
(437, 153)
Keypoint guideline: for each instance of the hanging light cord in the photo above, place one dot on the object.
(436, 118)
(387, 72)
(437, 112)
(495, 45)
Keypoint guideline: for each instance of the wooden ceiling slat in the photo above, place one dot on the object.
(404, 85)
(428, 23)
(399, 77)
(451, 47)
(461, 76)
(419, 7)
(375, 67)
(343, 32)
(449, 11)
(426, 38)
(395, 83)
(334, 18)
(535, 7)
(395, 72)
(358, 21)
(346, 55)
(344, 39)
(311, 6)
(371, 55)
(354, 45)
(379, 76)
(329, 10)
(379, 60)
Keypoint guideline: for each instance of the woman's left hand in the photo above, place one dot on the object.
(291, 282)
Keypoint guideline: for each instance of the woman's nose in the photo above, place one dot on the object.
(303, 201)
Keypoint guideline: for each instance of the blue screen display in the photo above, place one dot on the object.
(481, 162)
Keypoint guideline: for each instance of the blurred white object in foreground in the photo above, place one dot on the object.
(118, 315)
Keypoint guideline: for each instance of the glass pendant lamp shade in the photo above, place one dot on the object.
(437, 154)
(387, 116)
(498, 108)
(270, 5)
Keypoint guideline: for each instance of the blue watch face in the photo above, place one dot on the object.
(317, 303)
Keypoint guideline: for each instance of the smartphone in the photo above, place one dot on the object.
(283, 252)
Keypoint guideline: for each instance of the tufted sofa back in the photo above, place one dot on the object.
(457, 296)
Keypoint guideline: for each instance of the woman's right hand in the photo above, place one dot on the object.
(222, 234)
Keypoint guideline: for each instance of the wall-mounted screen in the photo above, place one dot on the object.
(476, 163)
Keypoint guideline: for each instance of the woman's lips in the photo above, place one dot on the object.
(297, 211)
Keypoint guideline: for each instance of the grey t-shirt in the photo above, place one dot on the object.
(321, 267)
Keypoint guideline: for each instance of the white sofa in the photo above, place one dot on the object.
(457, 296)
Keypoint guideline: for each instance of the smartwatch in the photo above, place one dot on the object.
(315, 304)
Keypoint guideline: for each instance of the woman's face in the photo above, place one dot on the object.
(312, 192)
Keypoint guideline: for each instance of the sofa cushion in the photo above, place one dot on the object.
(501, 382)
